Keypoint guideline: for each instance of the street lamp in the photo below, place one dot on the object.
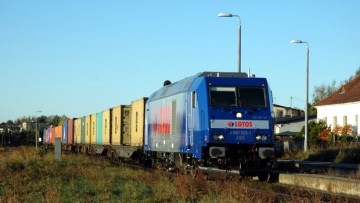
(36, 133)
(307, 90)
(239, 29)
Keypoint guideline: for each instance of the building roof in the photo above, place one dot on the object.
(286, 134)
(294, 119)
(347, 93)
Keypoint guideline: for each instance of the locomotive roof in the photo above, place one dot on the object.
(184, 84)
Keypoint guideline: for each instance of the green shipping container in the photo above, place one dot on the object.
(83, 129)
(99, 125)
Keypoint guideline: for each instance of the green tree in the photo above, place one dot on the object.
(323, 91)
(315, 128)
(57, 120)
(312, 110)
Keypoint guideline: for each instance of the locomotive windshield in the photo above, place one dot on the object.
(225, 96)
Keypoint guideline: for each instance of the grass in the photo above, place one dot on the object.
(29, 175)
(347, 153)
(340, 153)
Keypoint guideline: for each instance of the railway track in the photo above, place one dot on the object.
(278, 192)
(281, 192)
(273, 190)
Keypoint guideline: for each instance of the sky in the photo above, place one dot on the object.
(79, 57)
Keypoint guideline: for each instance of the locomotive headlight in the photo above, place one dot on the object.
(238, 115)
(264, 138)
(218, 137)
(258, 137)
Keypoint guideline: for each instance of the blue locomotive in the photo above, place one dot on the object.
(213, 121)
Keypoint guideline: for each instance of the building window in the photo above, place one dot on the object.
(279, 113)
(344, 120)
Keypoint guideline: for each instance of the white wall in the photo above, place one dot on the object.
(350, 110)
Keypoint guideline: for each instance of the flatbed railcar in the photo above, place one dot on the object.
(212, 120)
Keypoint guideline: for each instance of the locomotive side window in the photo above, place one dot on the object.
(193, 99)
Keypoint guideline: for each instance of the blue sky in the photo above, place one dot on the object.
(80, 57)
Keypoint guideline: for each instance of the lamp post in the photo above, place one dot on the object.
(307, 90)
(239, 30)
(36, 133)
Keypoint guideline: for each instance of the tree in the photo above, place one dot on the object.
(57, 120)
(357, 73)
(312, 110)
(323, 91)
(315, 132)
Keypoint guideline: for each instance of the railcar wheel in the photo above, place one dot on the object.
(263, 177)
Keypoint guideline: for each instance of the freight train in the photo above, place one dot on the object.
(209, 121)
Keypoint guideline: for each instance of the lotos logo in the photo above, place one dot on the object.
(246, 124)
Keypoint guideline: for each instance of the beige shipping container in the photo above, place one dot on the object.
(77, 130)
(137, 121)
(93, 128)
(120, 125)
(87, 129)
(106, 130)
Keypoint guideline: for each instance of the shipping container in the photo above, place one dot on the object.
(120, 125)
(44, 136)
(64, 136)
(48, 135)
(87, 129)
(137, 122)
(70, 131)
(93, 128)
(99, 136)
(58, 131)
(83, 129)
(52, 135)
(106, 130)
(77, 131)
(115, 126)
